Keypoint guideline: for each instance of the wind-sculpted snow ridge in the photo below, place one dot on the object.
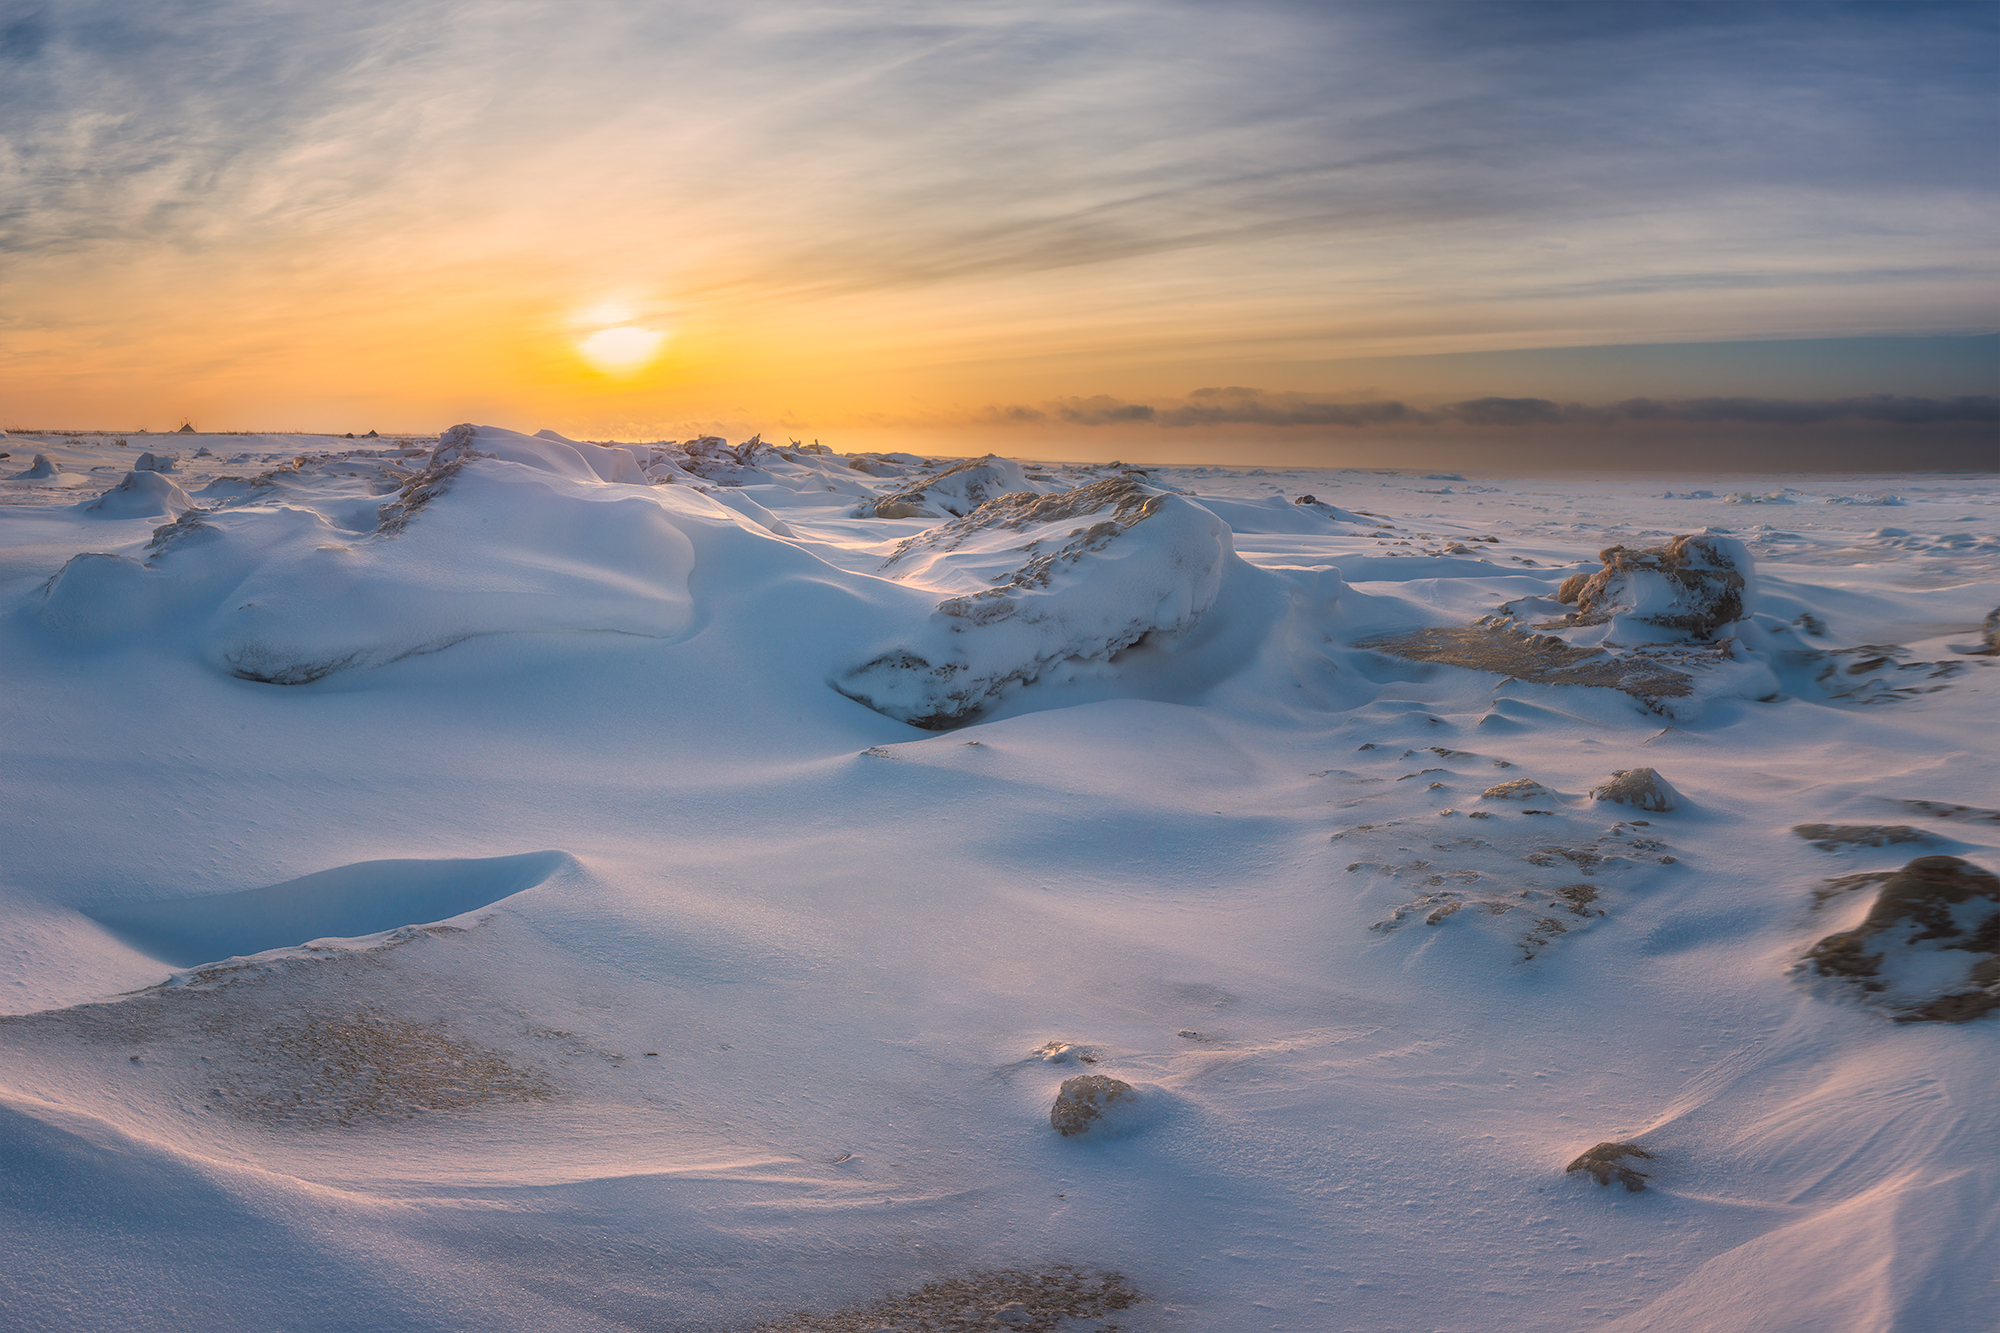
(956, 492)
(1105, 566)
(142, 494)
(499, 533)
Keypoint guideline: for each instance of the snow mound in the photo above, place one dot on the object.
(500, 534)
(1689, 588)
(39, 470)
(1929, 948)
(152, 462)
(140, 495)
(1107, 565)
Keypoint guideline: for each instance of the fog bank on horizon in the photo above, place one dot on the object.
(1473, 234)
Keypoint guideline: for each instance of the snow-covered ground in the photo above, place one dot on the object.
(494, 882)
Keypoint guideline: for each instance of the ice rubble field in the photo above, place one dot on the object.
(497, 882)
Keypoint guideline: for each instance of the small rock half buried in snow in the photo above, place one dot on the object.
(1520, 789)
(1082, 1101)
(1930, 946)
(1640, 787)
(1603, 1162)
(1833, 837)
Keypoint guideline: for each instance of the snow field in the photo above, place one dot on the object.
(747, 1019)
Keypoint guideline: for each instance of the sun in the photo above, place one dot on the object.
(623, 350)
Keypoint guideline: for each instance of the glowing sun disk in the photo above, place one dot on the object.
(622, 350)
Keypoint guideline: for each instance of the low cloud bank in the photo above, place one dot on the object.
(1251, 407)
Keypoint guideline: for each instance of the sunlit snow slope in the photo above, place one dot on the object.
(493, 881)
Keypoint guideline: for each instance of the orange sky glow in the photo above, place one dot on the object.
(876, 230)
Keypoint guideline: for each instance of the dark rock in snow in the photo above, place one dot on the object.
(1832, 837)
(1933, 906)
(1946, 810)
(1603, 1162)
(1081, 1102)
(1641, 787)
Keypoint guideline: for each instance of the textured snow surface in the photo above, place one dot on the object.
(491, 881)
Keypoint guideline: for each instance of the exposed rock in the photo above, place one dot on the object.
(1833, 837)
(40, 470)
(1946, 810)
(1905, 952)
(1081, 1102)
(140, 495)
(1641, 787)
(1604, 1162)
(1690, 588)
(1520, 789)
(1989, 630)
(454, 450)
(1845, 884)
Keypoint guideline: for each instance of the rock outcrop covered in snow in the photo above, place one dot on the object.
(1638, 787)
(1690, 588)
(1929, 949)
(1105, 565)
(1660, 624)
(955, 492)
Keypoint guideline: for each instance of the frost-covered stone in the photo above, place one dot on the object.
(1520, 789)
(1689, 588)
(1082, 1103)
(1833, 837)
(1105, 566)
(1605, 1163)
(140, 495)
(1640, 787)
(1929, 949)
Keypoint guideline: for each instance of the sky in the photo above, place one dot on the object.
(1295, 233)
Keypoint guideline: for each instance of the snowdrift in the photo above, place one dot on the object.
(1298, 884)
